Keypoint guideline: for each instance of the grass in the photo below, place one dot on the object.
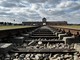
(13, 27)
(70, 26)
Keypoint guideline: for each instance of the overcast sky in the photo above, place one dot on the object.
(35, 10)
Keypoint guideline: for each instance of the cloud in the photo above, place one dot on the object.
(12, 3)
(34, 10)
(37, 1)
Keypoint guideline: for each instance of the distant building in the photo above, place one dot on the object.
(45, 22)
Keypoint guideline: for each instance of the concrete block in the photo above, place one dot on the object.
(58, 33)
(26, 36)
(18, 40)
(61, 36)
(68, 40)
